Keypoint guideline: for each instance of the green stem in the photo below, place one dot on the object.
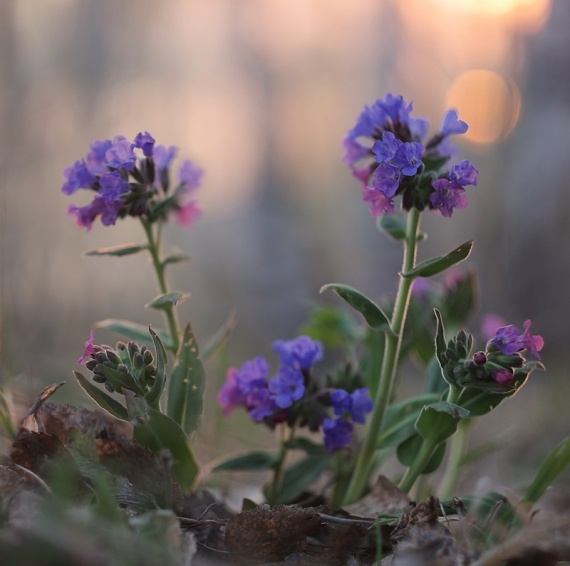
(422, 458)
(452, 467)
(280, 468)
(393, 341)
(159, 269)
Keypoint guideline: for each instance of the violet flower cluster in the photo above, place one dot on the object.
(387, 154)
(292, 394)
(132, 179)
(501, 366)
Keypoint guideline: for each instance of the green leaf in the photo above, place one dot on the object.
(436, 265)
(120, 380)
(186, 389)
(371, 312)
(158, 432)
(253, 461)
(332, 326)
(174, 258)
(306, 445)
(120, 250)
(219, 337)
(408, 450)
(556, 462)
(134, 331)
(399, 422)
(300, 475)
(102, 399)
(165, 301)
(439, 421)
(440, 344)
(394, 225)
(155, 393)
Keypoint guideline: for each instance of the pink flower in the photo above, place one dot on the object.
(88, 349)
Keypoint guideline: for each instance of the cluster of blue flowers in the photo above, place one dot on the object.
(292, 395)
(386, 153)
(132, 179)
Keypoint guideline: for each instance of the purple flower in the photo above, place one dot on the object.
(386, 178)
(361, 405)
(163, 156)
(190, 175)
(287, 386)
(77, 177)
(88, 348)
(378, 202)
(300, 353)
(260, 404)
(452, 124)
(96, 158)
(230, 394)
(509, 341)
(408, 157)
(385, 149)
(489, 324)
(337, 433)
(354, 152)
(113, 186)
(341, 402)
(120, 154)
(144, 141)
(447, 196)
(464, 173)
(357, 403)
(86, 215)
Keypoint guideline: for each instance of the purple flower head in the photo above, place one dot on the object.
(386, 179)
(287, 386)
(113, 186)
(300, 353)
(354, 152)
(357, 403)
(120, 154)
(190, 175)
(86, 215)
(396, 107)
(385, 149)
(378, 202)
(464, 173)
(337, 433)
(77, 177)
(260, 404)
(163, 156)
(144, 141)
(88, 349)
(452, 124)
(509, 341)
(341, 402)
(408, 157)
(230, 394)
(96, 158)
(361, 405)
(447, 196)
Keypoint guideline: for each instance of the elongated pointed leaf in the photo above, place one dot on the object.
(394, 225)
(556, 462)
(253, 461)
(118, 251)
(134, 331)
(166, 300)
(436, 265)
(119, 380)
(160, 379)
(371, 312)
(219, 337)
(175, 258)
(159, 432)
(186, 389)
(408, 450)
(101, 398)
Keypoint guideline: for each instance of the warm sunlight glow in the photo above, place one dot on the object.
(488, 102)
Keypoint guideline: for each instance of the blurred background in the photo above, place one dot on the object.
(260, 93)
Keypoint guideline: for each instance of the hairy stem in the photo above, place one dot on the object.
(393, 341)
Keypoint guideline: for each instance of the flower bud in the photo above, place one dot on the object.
(480, 358)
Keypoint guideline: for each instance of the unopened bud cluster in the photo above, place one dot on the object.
(128, 366)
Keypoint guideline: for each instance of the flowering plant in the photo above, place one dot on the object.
(315, 409)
